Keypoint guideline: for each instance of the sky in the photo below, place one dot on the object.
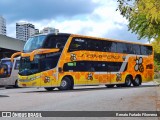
(97, 18)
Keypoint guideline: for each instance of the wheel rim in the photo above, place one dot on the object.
(128, 81)
(64, 83)
(137, 80)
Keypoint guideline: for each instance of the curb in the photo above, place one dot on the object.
(156, 82)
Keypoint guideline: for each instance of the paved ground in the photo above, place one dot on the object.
(97, 98)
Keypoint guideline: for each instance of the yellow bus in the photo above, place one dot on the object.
(66, 60)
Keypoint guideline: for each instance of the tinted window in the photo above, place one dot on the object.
(146, 50)
(78, 44)
(55, 42)
(49, 61)
(91, 66)
(34, 43)
(113, 47)
(149, 50)
(92, 45)
(136, 49)
(108, 46)
(129, 48)
(16, 67)
(121, 48)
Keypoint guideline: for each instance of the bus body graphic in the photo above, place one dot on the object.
(67, 60)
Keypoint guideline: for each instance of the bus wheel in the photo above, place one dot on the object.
(66, 84)
(119, 85)
(137, 81)
(109, 86)
(128, 81)
(16, 84)
(49, 88)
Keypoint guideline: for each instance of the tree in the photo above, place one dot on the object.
(143, 17)
(156, 46)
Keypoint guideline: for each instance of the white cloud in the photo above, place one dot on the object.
(102, 21)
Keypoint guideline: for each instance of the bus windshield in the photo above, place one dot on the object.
(40, 63)
(28, 67)
(33, 43)
(5, 68)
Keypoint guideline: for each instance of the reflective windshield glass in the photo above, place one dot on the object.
(55, 41)
(40, 63)
(33, 43)
(28, 67)
(5, 68)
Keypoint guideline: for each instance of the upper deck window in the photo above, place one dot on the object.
(108, 46)
(55, 42)
(33, 43)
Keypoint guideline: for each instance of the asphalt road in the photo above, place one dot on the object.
(92, 98)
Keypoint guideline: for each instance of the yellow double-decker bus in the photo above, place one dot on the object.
(67, 60)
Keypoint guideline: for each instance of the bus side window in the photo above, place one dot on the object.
(114, 47)
(77, 44)
(149, 50)
(136, 49)
(16, 67)
(143, 50)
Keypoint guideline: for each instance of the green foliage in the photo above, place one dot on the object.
(156, 75)
(143, 17)
(156, 46)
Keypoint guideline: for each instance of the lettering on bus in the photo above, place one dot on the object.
(100, 56)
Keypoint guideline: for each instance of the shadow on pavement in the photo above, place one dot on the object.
(89, 89)
(4, 96)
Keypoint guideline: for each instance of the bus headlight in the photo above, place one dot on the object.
(33, 78)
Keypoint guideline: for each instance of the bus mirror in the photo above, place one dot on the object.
(14, 55)
(60, 69)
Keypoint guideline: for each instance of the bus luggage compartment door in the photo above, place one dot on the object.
(104, 77)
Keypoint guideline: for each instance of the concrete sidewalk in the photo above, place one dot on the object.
(157, 81)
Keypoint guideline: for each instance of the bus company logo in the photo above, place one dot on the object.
(73, 57)
(139, 67)
(90, 76)
(47, 79)
(119, 77)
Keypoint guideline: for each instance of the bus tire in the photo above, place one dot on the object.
(128, 81)
(109, 86)
(119, 85)
(66, 84)
(49, 88)
(16, 84)
(137, 81)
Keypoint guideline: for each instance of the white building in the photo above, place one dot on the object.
(49, 30)
(2, 26)
(24, 31)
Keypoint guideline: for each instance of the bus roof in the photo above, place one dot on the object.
(49, 34)
(100, 38)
